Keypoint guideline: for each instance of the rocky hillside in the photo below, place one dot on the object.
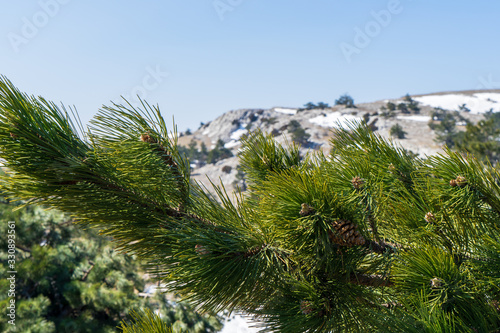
(412, 113)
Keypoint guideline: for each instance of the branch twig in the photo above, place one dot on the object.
(370, 280)
(88, 271)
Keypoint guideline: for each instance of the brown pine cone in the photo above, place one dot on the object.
(347, 234)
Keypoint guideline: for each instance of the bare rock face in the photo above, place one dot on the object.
(320, 123)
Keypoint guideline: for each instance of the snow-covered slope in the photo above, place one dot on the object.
(476, 103)
(334, 119)
(319, 123)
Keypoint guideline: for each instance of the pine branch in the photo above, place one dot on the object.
(260, 156)
(145, 322)
(286, 250)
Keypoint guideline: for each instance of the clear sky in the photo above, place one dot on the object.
(200, 58)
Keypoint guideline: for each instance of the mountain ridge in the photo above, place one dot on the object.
(319, 123)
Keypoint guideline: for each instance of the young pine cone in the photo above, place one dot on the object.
(436, 283)
(146, 137)
(460, 181)
(201, 250)
(347, 234)
(306, 307)
(430, 218)
(357, 183)
(306, 210)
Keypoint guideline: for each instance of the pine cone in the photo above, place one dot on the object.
(436, 283)
(306, 307)
(461, 181)
(358, 183)
(306, 210)
(496, 305)
(430, 218)
(347, 234)
(147, 138)
(453, 183)
(201, 250)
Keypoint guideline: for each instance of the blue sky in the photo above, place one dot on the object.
(199, 59)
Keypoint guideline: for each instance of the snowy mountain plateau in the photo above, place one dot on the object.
(318, 124)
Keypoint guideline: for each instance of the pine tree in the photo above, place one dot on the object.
(218, 153)
(367, 239)
(72, 280)
(298, 133)
(482, 139)
(346, 100)
(397, 131)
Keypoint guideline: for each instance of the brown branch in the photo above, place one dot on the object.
(25, 249)
(168, 159)
(241, 254)
(378, 247)
(156, 207)
(373, 225)
(165, 155)
(370, 280)
(70, 221)
(88, 271)
(254, 251)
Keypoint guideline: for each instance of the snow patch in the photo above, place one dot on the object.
(415, 118)
(238, 324)
(285, 110)
(237, 134)
(231, 144)
(495, 97)
(334, 120)
(477, 103)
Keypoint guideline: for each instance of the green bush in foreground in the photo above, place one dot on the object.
(72, 280)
